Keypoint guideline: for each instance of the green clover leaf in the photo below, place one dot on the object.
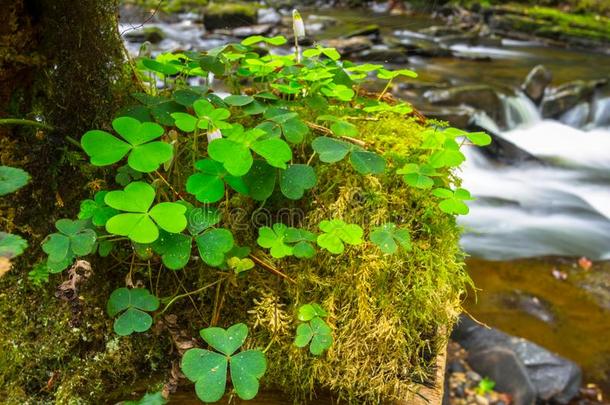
(96, 210)
(388, 237)
(274, 239)
(213, 245)
(240, 265)
(132, 305)
(12, 179)
(261, 180)
(336, 233)
(333, 150)
(330, 150)
(208, 117)
(296, 179)
(209, 185)
(419, 176)
(208, 369)
(11, 245)
(338, 126)
(391, 74)
(73, 239)
(255, 39)
(174, 248)
(153, 398)
(201, 218)
(448, 156)
(126, 175)
(144, 155)
(286, 123)
(453, 201)
(367, 162)
(309, 311)
(141, 223)
(315, 333)
(238, 100)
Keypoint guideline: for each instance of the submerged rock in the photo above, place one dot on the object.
(503, 357)
(229, 15)
(383, 53)
(350, 45)
(154, 35)
(371, 30)
(536, 83)
(568, 96)
(531, 305)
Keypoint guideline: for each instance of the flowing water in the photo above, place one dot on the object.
(557, 204)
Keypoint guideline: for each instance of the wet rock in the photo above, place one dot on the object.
(578, 116)
(229, 15)
(597, 284)
(442, 30)
(480, 97)
(601, 112)
(268, 16)
(249, 30)
(371, 30)
(568, 96)
(505, 358)
(459, 117)
(536, 82)
(382, 53)
(350, 45)
(503, 151)
(531, 305)
(154, 35)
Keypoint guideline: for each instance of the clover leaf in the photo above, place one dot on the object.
(389, 237)
(240, 265)
(339, 126)
(234, 151)
(208, 369)
(448, 156)
(12, 179)
(315, 333)
(255, 39)
(132, 305)
(208, 117)
(238, 100)
(453, 201)
(392, 74)
(144, 155)
(336, 233)
(208, 186)
(333, 150)
(296, 179)
(153, 398)
(174, 248)
(274, 239)
(260, 180)
(96, 210)
(213, 245)
(286, 123)
(74, 239)
(309, 311)
(141, 223)
(126, 175)
(201, 218)
(11, 245)
(419, 176)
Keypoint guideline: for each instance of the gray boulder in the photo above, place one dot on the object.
(553, 378)
(568, 96)
(536, 83)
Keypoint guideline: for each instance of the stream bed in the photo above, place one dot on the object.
(554, 204)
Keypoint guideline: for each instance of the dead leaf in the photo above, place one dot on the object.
(5, 265)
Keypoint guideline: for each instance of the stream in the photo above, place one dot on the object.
(529, 213)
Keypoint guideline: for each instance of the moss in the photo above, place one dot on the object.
(229, 15)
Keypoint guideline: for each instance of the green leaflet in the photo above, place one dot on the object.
(12, 179)
(315, 333)
(145, 154)
(11, 245)
(213, 245)
(333, 150)
(453, 201)
(336, 233)
(286, 241)
(208, 185)
(388, 237)
(131, 306)
(73, 239)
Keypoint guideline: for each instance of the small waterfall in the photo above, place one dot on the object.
(520, 110)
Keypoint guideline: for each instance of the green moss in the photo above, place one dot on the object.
(229, 15)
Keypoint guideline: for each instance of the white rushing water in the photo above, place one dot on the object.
(558, 206)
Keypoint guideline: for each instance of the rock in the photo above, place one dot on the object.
(503, 357)
(502, 151)
(601, 112)
(424, 47)
(459, 117)
(442, 30)
(536, 82)
(578, 116)
(229, 15)
(371, 30)
(382, 53)
(597, 284)
(350, 45)
(154, 35)
(568, 96)
(249, 30)
(268, 16)
(480, 97)
(531, 305)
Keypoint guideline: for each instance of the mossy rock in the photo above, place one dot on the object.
(229, 15)
(153, 35)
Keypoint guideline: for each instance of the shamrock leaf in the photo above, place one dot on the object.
(240, 265)
(330, 150)
(202, 218)
(309, 311)
(418, 176)
(12, 179)
(174, 248)
(336, 233)
(367, 162)
(126, 175)
(260, 180)
(238, 100)
(338, 126)
(333, 150)
(448, 156)
(144, 156)
(213, 245)
(209, 185)
(141, 223)
(11, 245)
(274, 239)
(73, 239)
(208, 117)
(96, 209)
(155, 398)
(208, 369)
(286, 123)
(316, 333)
(302, 238)
(296, 179)
(391, 74)
(388, 237)
(132, 305)
(453, 201)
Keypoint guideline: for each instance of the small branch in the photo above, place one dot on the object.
(177, 194)
(20, 121)
(328, 131)
(177, 297)
(271, 269)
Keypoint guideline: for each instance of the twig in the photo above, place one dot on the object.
(188, 294)
(21, 121)
(475, 320)
(328, 131)
(270, 268)
(150, 17)
(177, 194)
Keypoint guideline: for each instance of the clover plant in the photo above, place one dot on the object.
(192, 156)
(11, 246)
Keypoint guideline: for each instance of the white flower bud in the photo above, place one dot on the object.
(298, 25)
(213, 135)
